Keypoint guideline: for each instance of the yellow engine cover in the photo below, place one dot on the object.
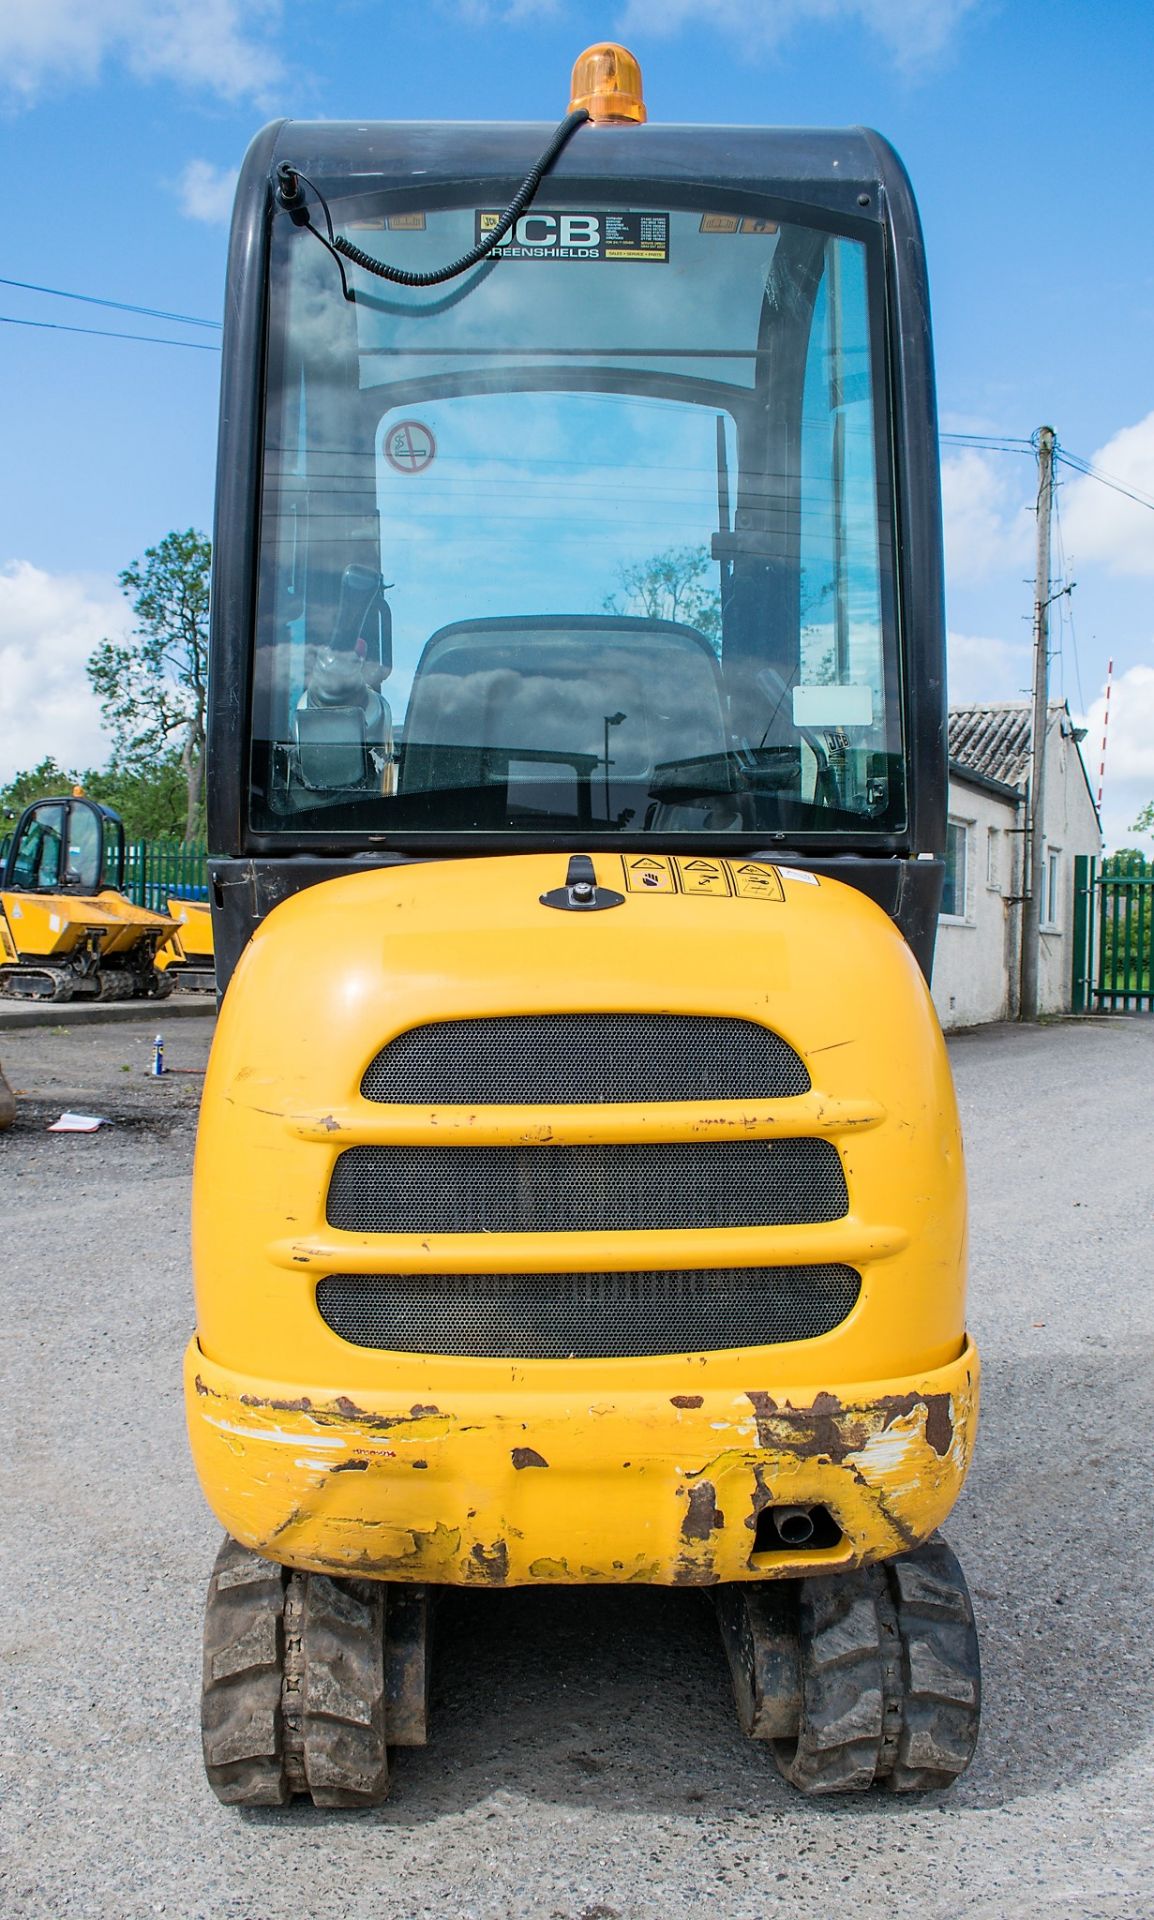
(346, 1458)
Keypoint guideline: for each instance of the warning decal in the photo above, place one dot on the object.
(751, 882)
(696, 874)
(563, 235)
(648, 873)
(702, 876)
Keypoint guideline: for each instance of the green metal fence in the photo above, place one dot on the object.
(156, 871)
(1113, 929)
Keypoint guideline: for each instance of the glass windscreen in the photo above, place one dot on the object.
(593, 539)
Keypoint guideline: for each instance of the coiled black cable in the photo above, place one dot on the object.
(290, 197)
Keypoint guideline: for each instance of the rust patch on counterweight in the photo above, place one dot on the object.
(702, 1514)
(829, 1430)
(939, 1419)
(527, 1457)
(493, 1561)
(686, 1400)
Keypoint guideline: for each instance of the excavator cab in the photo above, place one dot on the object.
(579, 1195)
(67, 928)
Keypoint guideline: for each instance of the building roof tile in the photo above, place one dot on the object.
(993, 738)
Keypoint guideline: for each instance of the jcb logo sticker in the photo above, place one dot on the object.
(696, 874)
(544, 234)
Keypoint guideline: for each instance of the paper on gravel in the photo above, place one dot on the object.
(78, 1123)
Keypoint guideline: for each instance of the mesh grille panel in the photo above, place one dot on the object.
(558, 1316)
(575, 1058)
(743, 1183)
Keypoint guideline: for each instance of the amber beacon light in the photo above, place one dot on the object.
(607, 83)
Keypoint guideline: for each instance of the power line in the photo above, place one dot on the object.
(122, 306)
(103, 333)
(1092, 472)
(1066, 608)
(994, 443)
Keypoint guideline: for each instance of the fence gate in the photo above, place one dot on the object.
(1113, 924)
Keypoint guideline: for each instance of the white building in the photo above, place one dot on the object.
(977, 962)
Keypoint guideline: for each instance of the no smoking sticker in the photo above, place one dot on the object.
(410, 446)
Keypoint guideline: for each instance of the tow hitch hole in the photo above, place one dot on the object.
(793, 1529)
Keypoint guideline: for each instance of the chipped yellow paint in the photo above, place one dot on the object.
(421, 1493)
(478, 1471)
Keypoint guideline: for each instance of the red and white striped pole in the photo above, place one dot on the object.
(1105, 734)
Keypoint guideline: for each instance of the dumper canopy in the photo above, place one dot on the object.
(67, 844)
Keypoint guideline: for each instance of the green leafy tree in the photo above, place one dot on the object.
(671, 586)
(44, 782)
(1145, 821)
(153, 688)
(151, 801)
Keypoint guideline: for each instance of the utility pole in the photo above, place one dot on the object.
(1034, 864)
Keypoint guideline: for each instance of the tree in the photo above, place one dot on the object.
(152, 689)
(671, 586)
(1145, 821)
(44, 782)
(152, 801)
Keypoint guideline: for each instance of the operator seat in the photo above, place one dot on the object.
(557, 695)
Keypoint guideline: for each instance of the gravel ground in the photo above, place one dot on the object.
(585, 1762)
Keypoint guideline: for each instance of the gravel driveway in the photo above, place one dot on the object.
(586, 1762)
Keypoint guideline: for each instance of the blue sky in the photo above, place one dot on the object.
(1025, 126)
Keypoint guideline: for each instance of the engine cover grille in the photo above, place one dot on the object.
(587, 1316)
(587, 1189)
(562, 1059)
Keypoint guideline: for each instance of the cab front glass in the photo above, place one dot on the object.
(594, 539)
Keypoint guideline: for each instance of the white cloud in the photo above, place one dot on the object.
(983, 668)
(49, 624)
(1129, 782)
(212, 44)
(914, 32)
(989, 526)
(206, 192)
(1101, 524)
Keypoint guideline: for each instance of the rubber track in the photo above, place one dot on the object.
(294, 1685)
(241, 1699)
(342, 1689)
(890, 1677)
(942, 1683)
(843, 1717)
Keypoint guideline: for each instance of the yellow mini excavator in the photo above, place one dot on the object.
(67, 929)
(579, 1194)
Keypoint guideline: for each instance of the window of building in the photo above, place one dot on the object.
(954, 891)
(1051, 896)
(994, 859)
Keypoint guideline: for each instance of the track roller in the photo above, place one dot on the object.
(307, 1682)
(863, 1678)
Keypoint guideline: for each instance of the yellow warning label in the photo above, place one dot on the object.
(718, 223)
(749, 225)
(648, 873)
(406, 223)
(699, 875)
(751, 882)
